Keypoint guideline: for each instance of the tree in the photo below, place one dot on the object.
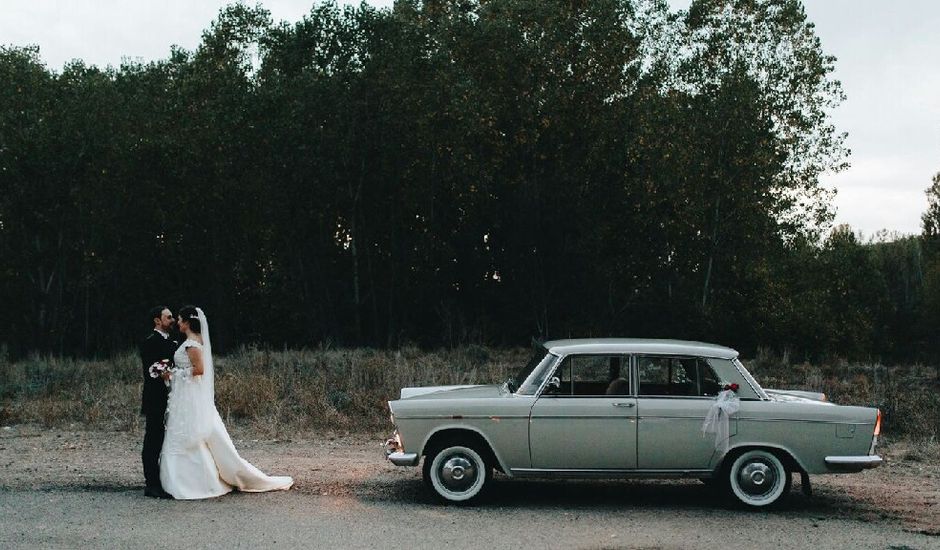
(777, 45)
(931, 239)
(443, 172)
(930, 219)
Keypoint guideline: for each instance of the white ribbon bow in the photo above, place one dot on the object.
(717, 421)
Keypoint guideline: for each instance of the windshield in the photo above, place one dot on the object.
(528, 380)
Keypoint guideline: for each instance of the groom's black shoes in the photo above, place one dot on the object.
(156, 492)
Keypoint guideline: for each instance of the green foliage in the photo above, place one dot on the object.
(447, 172)
(931, 218)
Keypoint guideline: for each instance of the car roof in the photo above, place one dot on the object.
(639, 345)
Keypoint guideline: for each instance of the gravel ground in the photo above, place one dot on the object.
(62, 488)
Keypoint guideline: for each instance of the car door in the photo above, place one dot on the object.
(587, 421)
(673, 396)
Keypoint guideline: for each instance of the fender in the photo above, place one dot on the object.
(762, 445)
(465, 428)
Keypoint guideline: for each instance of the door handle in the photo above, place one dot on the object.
(625, 405)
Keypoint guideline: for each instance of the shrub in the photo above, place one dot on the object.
(347, 389)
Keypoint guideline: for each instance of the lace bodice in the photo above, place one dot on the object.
(183, 366)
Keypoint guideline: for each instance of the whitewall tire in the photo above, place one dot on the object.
(758, 478)
(456, 473)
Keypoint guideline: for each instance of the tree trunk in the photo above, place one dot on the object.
(711, 255)
(354, 249)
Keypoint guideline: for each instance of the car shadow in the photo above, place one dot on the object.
(604, 495)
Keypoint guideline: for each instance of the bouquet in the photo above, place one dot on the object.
(157, 369)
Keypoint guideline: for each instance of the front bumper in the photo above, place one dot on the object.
(853, 463)
(403, 459)
(396, 455)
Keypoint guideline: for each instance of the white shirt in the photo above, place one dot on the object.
(161, 333)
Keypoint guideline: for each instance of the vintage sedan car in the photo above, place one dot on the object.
(628, 408)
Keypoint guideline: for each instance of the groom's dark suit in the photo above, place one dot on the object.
(154, 348)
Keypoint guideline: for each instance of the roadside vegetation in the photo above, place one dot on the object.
(277, 393)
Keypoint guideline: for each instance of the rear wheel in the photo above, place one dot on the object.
(456, 472)
(758, 478)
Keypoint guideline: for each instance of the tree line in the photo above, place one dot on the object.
(448, 172)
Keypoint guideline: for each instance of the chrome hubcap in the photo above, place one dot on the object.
(458, 473)
(757, 478)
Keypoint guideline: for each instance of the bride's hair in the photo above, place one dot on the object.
(188, 313)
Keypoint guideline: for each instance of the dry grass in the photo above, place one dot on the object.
(281, 392)
(269, 392)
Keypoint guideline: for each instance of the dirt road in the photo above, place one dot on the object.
(73, 489)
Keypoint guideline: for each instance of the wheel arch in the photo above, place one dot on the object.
(787, 457)
(459, 432)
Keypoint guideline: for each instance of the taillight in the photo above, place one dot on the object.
(878, 423)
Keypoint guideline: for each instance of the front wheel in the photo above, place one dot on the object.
(457, 473)
(757, 478)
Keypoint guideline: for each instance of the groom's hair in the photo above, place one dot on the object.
(156, 312)
(189, 314)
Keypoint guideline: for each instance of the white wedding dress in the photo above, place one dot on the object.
(198, 459)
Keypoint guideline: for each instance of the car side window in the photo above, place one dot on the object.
(592, 375)
(709, 383)
(679, 376)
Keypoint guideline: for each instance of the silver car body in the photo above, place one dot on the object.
(536, 433)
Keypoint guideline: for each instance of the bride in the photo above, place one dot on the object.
(198, 459)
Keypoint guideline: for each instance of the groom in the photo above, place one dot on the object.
(158, 345)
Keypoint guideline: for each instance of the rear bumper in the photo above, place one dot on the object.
(853, 463)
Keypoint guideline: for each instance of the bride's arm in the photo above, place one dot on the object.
(195, 357)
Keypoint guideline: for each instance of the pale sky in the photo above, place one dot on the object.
(888, 61)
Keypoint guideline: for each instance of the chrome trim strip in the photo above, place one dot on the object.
(461, 416)
(644, 396)
(602, 472)
(755, 419)
(699, 397)
(700, 418)
(870, 461)
(671, 397)
(403, 459)
(593, 396)
(615, 416)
